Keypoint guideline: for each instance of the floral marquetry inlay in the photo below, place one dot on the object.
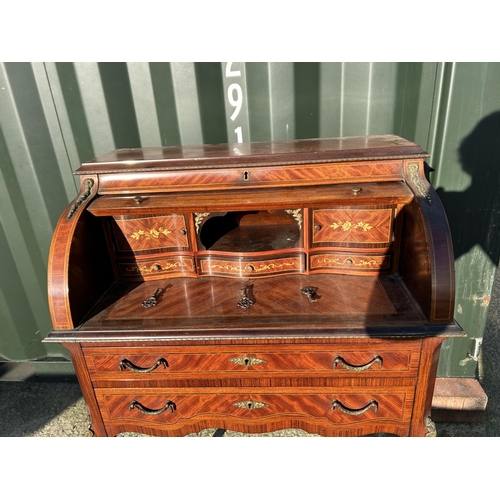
(332, 261)
(348, 225)
(353, 226)
(152, 233)
(240, 268)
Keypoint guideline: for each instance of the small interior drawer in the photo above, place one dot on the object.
(349, 262)
(149, 269)
(352, 227)
(139, 234)
(247, 267)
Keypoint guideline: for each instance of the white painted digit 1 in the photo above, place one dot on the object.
(239, 134)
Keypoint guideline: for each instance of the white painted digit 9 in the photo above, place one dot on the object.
(236, 102)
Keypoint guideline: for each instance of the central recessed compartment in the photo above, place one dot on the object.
(251, 231)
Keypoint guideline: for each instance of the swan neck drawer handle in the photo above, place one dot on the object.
(135, 405)
(125, 364)
(348, 411)
(353, 368)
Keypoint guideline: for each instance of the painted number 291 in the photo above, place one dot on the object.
(235, 98)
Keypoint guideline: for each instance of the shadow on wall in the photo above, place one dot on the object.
(474, 214)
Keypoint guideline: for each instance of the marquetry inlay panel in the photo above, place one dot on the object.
(249, 268)
(352, 226)
(150, 233)
(350, 261)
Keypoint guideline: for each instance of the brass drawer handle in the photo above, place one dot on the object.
(354, 368)
(152, 300)
(247, 299)
(250, 405)
(247, 361)
(310, 293)
(337, 404)
(169, 405)
(125, 364)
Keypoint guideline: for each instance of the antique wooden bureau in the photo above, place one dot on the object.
(255, 287)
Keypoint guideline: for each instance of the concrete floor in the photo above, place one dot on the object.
(54, 408)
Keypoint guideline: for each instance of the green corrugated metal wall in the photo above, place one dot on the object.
(53, 116)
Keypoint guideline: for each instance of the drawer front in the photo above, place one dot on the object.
(171, 406)
(151, 269)
(356, 263)
(150, 233)
(340, 361)
(355, 227)
(234, 177)
(251, 267)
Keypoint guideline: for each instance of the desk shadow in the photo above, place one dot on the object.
(474, 213)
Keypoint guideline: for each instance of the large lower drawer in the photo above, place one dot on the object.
(225, 407)
(343, 359)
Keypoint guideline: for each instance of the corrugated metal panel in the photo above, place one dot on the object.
(466, 159)
(54, 116)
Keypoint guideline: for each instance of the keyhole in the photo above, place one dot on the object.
(246, 175)
(250, 406)
(247, 361)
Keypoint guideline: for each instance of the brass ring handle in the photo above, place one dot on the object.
(126, 364)
(169, 405)
(353, 368)
(337, 404)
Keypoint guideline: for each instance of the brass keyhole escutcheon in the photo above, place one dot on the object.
(247, 361)
(250, 405)
(247, 299)
(246, 175)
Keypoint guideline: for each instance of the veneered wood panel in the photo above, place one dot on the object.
(150, 233)
(159, 267)
(334, 360)
(260, 411)
(352, 227)
(342, 262)
(216, 200)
